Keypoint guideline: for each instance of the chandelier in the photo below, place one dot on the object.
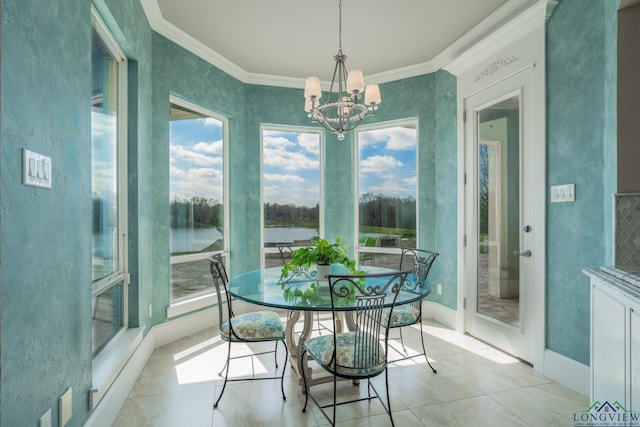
(344, 109)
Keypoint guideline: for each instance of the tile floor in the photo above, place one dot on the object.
(476, 385)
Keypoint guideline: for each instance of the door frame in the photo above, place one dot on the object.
(516, 340)
(476, 72)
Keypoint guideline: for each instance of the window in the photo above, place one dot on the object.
(291, 190)
(108, 186)
(197, 194)
(386, 209)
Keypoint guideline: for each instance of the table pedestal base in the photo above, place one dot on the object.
(296, 347)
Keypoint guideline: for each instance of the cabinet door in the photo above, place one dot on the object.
(635, 361)
(608, 362)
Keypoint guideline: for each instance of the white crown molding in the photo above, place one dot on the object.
(176, 35)
(402, 73)
(280, 81)
(515, 23)
(509, 22)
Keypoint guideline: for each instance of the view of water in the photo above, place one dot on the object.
(287, 234)
(186, 240)
(192, 240)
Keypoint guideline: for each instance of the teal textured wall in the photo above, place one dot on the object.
(580, 139)
(446, 195)
(416, 97)
(45, 244)
(45, 235)
(182, 74)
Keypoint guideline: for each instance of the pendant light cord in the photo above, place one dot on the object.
(340, 26)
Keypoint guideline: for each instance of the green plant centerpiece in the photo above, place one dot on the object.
(321, 253)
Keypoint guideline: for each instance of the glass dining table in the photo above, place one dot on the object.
(299, 293)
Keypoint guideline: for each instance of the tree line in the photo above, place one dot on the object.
(197, 212)
(376, 210)
(289, 214)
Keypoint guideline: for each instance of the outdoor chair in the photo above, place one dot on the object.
(358, 354)
(285, 252)
(368, 256)
(418, 262)
(257, 326)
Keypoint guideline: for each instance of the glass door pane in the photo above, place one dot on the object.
(498, 284)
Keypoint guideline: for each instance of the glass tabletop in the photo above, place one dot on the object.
(267, 287)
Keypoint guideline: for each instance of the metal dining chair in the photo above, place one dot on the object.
(358, 354)
(257, 326)
(419, 263)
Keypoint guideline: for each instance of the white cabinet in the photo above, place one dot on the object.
(635, 359)
(615, 341)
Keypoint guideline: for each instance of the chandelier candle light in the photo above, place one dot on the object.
(344, 109)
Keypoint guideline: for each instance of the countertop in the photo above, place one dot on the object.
(626, 281)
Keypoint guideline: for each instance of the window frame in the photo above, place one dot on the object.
(109, 358)
(121, 275)
(321, 157)
(408, 122)
(204, 298)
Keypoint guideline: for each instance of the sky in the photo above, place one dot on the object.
(291, 168)
(195, 159)
(387, 161)
(291, 162)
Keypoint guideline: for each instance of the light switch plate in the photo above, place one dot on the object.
(563, 193)
(45, 420)
(36, 169)
(64, 406)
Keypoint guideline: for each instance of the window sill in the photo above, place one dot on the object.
(110, 361)
(190, 305)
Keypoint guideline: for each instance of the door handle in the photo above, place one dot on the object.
(526, 253)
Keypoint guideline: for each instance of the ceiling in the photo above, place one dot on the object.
(258, 41)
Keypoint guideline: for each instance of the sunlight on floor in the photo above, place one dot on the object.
(203, 362)
(475, 385)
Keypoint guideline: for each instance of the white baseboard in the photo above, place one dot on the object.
(567, 372)
(109, 407)
(107, 410)
(559, 368)
(440, 313)
(174, 329)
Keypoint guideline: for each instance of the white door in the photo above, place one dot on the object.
(500, 170)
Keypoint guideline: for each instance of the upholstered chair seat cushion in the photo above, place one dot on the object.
(347, 363)
(255, 326)
(402, 315)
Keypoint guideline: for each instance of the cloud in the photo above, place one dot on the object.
(379, 164)
(394, 187)
(283, 178)
(210, 121)
(394, 138)
(410, 181)
(402, 139)
(214, 147)
(310, 142)
(179, 152)
(277, 142)
(287, 160)
(177, 173)
(202, 182)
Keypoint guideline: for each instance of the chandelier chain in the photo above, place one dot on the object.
(340, 26)
(344, 109)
